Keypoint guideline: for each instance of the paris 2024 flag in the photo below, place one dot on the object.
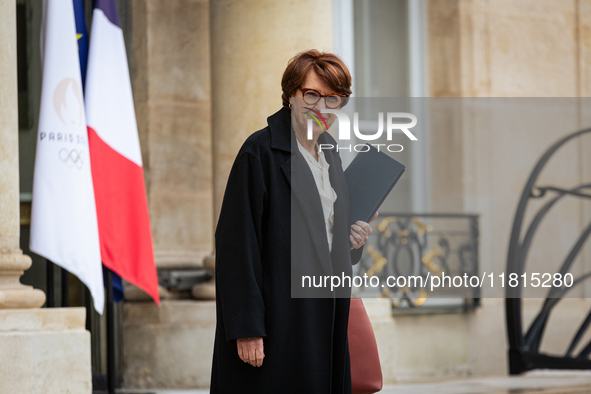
(63, 219)
(117, 172)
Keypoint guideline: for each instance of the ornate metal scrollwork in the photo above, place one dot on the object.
(420, 245)
(524, 347)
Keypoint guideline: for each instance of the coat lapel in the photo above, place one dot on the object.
(302, 184)
(341, 205)
(305, 191)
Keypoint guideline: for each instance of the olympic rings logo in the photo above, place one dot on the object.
(72, 158)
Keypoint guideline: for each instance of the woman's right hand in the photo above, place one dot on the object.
(250, 350)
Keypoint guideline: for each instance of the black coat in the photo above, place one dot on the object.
(305, 339)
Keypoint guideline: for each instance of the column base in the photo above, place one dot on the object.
(170, 347)
(21, 297)
(46, 351)
(13, 294)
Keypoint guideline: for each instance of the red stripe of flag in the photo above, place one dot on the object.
(123, 216)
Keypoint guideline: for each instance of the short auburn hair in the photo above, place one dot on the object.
(329, 67)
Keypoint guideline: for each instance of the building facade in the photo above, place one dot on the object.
(206, 74)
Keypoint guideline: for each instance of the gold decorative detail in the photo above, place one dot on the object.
(428, 258)
(422, 298)
(379, 261)
(422, 228)
(384, 224)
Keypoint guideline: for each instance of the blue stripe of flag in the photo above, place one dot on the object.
(82, 35)
(109, 8)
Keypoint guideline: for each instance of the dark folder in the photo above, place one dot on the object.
(370, 178)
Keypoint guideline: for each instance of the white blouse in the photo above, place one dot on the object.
(327, 194)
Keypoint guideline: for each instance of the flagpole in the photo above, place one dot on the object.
(50, 284)
(65, 288)
(111, 376)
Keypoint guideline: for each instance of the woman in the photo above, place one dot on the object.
(286, 202)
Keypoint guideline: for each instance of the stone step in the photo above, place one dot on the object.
(536, 382)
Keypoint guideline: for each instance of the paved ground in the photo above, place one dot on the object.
(538, 382)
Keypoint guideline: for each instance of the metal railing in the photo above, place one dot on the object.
(421, 245)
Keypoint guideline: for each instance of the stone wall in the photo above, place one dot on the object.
(530, 48)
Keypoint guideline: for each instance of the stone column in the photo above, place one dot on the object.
(172, 95)
(251, 44)
(47, 350)
(12, 261)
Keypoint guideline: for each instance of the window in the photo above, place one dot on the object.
(383, 43)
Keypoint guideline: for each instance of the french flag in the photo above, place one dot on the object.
(117, 171)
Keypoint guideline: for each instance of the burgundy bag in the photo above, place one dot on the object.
(366, 371)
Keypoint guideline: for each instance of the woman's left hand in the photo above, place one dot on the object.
(360, 232)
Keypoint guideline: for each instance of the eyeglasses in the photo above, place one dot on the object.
(311, 97)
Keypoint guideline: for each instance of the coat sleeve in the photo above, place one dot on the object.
(356, 255)
(238, 269)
